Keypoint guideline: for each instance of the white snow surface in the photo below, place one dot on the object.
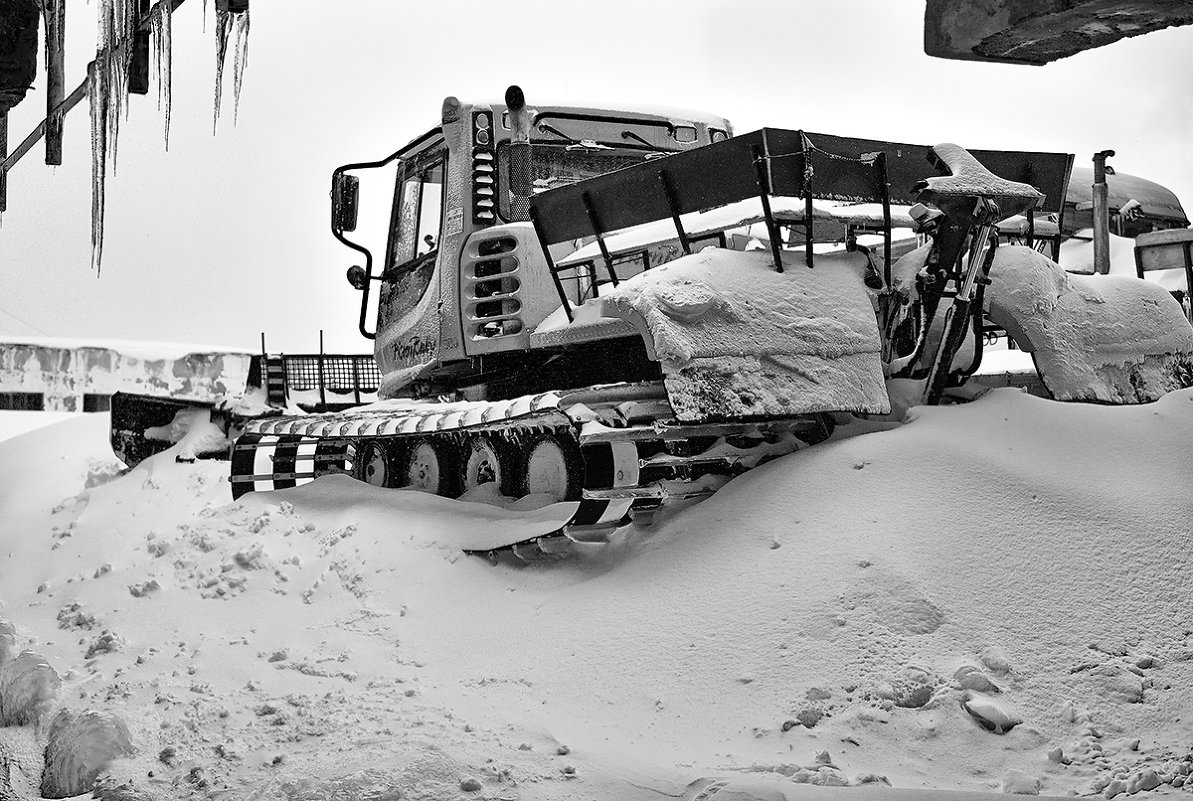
(14, 423)
(736, 338)
(1015, 557)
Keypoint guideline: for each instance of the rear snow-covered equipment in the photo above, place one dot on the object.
(1105, 339)
(205, 425)
(800, 366)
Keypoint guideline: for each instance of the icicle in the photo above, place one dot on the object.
(97, 96)
(161, 18)
(223, 27)
(241, 62)
(229, 24)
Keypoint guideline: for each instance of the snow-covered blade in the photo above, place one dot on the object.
(1109, 339)
(737, 339)
(144, 425)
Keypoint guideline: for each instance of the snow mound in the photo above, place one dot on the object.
(1110, 339)
(737, 338)
(848, 598)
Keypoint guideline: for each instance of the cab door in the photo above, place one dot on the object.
(408, 324)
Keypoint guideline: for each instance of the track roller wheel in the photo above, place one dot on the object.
(431, 466)
(374, 463)
(551, 465)
(487, 460)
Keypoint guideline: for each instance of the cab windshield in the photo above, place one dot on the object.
(554, 165)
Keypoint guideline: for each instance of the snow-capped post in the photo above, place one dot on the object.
(599, 231)
(55, 13)
(764, 194)
(884, 186)
(3, 156)
(673, 205)
(1101, 212)
(519, 154)
(322, 377)
(809, 211)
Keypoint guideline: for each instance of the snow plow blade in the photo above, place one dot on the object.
(145, 425)
(738, 340)
(1104, 339)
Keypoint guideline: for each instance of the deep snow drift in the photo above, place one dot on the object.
(894, 599)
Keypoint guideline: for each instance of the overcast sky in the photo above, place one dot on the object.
(224, 237)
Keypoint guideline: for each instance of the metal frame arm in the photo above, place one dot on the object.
(338, 233)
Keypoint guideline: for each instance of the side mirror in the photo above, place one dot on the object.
(345, 194)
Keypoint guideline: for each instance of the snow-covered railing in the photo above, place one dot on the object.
(768, 162)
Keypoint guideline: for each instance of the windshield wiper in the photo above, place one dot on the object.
(546, 126)
(632, 135)
(656, 150)
(583, 144)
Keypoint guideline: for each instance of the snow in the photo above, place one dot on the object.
(1113, 339)
(332, 641)
(737, 338)
(13, 424)
(1077, 256)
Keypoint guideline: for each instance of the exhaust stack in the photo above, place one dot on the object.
(519, 154)
(1101, 212)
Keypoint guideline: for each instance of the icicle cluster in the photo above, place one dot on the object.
(108, 83)
(107, 91)
(229, 25)
(108, 97)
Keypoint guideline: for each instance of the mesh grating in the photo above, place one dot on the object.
(339, 373)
